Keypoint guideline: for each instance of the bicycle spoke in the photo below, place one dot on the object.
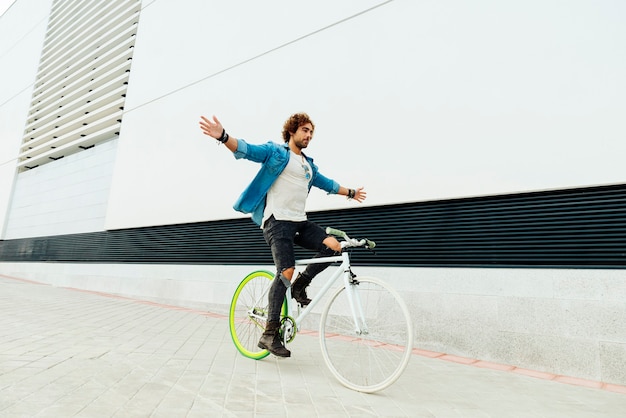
(367, 361)
(248, 311)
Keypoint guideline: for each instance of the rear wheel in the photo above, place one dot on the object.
(248, 313)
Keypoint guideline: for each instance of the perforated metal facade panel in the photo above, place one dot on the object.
(79, 94)
(573, 228)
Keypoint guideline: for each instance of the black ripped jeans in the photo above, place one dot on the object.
(281, 237)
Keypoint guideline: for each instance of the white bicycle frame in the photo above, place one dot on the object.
(378, 368)
(360, 326)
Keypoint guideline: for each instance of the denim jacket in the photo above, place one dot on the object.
(274, 158)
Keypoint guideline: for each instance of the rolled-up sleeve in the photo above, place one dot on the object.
(256, 153)
(328, 185)
(242, 149)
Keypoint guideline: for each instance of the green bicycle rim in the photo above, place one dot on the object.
(231, 317)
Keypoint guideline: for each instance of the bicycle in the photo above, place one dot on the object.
(365, 330)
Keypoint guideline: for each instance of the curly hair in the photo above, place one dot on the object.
(294, 122)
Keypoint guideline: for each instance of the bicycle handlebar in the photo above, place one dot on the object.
(353, 242)
(336, 232)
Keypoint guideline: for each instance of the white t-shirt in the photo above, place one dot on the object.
(286, 199)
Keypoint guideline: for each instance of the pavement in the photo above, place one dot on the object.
(72, 353)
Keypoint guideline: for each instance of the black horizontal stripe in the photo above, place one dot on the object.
(569, 228)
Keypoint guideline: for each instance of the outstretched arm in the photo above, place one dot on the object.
(215, 130)
(357, 194)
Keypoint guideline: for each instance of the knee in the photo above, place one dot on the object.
(288, 272)
(333, 244)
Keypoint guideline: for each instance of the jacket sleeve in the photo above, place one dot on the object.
(256, 153)
(328, 185)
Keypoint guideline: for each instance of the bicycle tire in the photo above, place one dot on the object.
(246, 330)
(368, 362)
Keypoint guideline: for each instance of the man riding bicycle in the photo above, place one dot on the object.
(276, 198)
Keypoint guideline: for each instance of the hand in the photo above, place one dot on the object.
(213, 129)
(360, 195)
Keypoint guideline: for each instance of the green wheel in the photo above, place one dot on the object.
(248, 313)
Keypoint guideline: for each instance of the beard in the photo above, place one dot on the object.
(302, 144)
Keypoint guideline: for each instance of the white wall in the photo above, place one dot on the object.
(68, 196)
(413, 100)
(22, 30)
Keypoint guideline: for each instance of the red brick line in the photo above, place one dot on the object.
(416, 351)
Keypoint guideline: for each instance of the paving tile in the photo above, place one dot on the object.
(72, 353)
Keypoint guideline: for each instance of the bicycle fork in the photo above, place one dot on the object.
(351, 285)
